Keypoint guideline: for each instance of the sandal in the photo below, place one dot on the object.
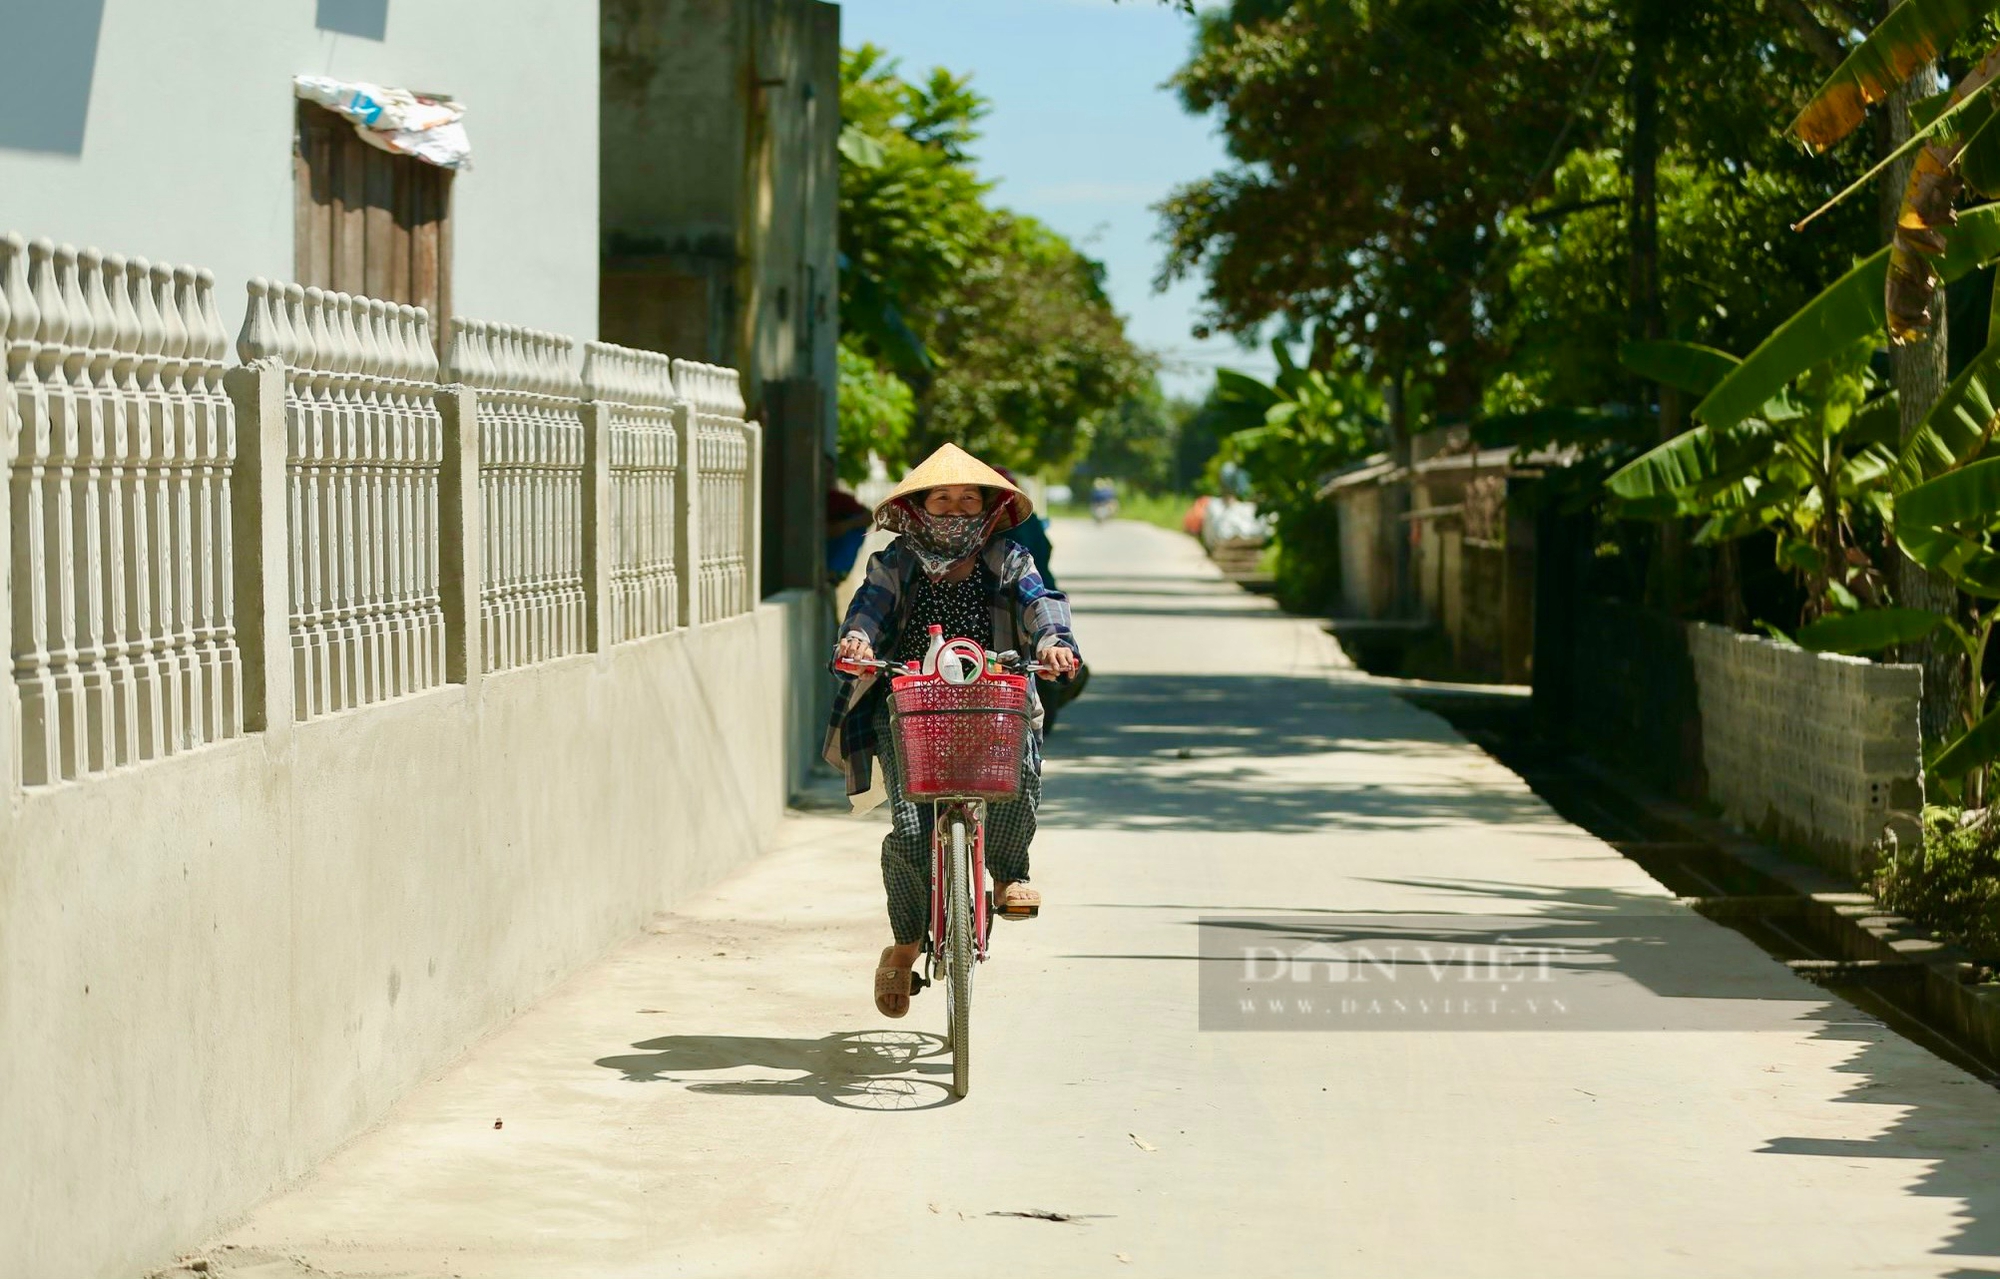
(893, 984)
(1016, 900)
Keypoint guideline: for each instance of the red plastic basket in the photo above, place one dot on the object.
(960, 740)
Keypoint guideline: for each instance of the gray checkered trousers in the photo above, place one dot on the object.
(906, 849)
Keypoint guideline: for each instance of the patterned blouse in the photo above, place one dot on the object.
(961, 608)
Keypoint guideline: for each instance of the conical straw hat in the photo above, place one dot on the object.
(953, 465)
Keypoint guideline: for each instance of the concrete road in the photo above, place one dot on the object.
(719, 1098)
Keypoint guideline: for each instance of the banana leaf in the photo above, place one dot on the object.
(1694, 459)
(1914, 33)
(1958, 425)
(1862, 471)
(1847, 310)
(1685, 366)
(1979, 160)
(1978, 747)
(1943, 524)
(1240, 389)
(1868, 632)
(1283, 355)
(1878, 422)
(1965, 108)
(1965, 498)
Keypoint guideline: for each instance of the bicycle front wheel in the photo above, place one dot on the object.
(958, 907)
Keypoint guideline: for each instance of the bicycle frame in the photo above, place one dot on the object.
(974, 814)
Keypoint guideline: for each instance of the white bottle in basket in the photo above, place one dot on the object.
(931, 654)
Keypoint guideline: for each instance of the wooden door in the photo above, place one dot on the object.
(370, 222)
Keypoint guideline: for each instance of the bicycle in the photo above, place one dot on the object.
(960, 733)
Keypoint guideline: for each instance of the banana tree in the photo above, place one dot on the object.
(1811, 464)
(1730, 470)
(1950, 525)
(1960, 144)
(1286, 435)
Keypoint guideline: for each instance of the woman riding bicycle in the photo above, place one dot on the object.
(947, 568)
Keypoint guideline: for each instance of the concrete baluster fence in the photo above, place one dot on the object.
(363, 444)
(480, 679)
(727, 457)
(125, 647)
(644, 422)
(533, 605)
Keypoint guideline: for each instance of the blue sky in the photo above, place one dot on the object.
(1081, 136)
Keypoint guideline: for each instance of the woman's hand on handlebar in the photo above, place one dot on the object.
(854, 648)
(1058, 658)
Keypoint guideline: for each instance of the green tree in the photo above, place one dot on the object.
(876, 408)
(1479, 182)
(1030, 352)
(1347, 129)
(1137, 443)
(1287, 435)
(912, 211)
(999, 327)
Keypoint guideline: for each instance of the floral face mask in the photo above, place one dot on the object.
(942, 541)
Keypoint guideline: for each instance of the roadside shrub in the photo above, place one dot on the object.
(1308, 559)
(1951, 885)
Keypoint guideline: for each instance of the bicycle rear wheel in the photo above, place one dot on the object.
(958, 907)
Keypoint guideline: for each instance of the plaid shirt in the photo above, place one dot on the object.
(1026, 614)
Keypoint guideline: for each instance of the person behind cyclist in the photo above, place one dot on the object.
(946, 567)
(1033, 534)
(1103, 499)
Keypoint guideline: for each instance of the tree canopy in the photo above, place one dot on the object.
(997, 326)
(1446, 185)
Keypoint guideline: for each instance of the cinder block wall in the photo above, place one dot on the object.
(1814, 750)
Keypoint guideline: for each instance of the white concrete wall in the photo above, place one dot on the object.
(165, 128)
(1813, 749)
(217, 967)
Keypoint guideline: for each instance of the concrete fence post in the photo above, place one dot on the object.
(459, 533)
(13, 278)
(753, 516)
(687, 514)
(261, 536)
(598, 551)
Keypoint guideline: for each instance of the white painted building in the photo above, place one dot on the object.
(167, 128)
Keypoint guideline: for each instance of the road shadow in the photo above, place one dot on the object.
(1218, 753)
(1681, 974)
(854, 1069)
(1165, 606)
(1628, 960)
(1947, 1130)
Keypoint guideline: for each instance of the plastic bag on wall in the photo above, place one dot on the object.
(396, 120)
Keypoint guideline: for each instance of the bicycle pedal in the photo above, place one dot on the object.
(917, 981)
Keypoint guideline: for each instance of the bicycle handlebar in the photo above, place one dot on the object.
(1010, 661)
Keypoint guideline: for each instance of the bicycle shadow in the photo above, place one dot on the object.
(853, 1069)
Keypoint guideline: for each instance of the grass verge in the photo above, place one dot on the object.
(1163, 509)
